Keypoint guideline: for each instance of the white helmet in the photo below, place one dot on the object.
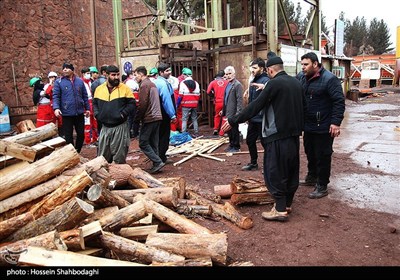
(52, 74)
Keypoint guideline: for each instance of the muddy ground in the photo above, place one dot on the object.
(322, 232)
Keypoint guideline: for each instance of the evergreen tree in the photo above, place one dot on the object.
(378, 36)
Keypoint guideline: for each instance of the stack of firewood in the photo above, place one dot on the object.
(58, 209)
(245, 190)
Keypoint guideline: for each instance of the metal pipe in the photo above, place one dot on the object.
(15, 84)
(93, 31)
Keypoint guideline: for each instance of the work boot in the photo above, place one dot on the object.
(274, 215)
(319, 191)
(309, 181)
(250, 166)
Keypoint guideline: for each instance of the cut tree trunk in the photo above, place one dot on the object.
(42, 149)
(37, 256)
(176, 182)
(34, 136)
(198, 262)
(11, 225)
(62, 194)
(120, 173)
(123, 217)
(16, 150)
(63, 217)
(140, 179)
(169, 217)
(143, 253)
(139, 233)
(25, 125)
(39, 171)
(241, 185)
(73, 238)
(252, 197)
(224, 191)
(214, 246)
(167, 196)
(98, 213)
(194, 210)
(103, 197)
(11, 251)
(49, 186)
(227, 211)
(101, 177)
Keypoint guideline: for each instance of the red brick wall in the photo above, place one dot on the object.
(38, 36)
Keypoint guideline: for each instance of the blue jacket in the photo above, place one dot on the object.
(166, 97)
(324, 99)
(70, 97)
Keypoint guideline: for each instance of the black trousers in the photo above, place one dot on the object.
(281, 170)
(254, 131)
(68, 125)
(319, 149)
(163, 144)
(234, 137)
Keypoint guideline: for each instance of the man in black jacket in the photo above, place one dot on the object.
(283, 105)
(255, 123)
(325, 112)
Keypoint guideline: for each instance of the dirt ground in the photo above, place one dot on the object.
(321, 232)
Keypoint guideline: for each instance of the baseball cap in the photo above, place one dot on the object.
(52, 74)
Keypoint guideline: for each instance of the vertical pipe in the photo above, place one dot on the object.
(93, 31)
(117, 18)
(272, 25)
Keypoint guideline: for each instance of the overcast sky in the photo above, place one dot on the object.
(383, 9)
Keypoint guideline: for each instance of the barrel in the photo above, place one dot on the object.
(5, 120)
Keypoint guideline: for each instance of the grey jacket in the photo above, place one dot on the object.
(234, 99)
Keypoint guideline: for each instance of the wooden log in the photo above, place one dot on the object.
(227, 211)
(178, 222)
(123, 217)
(42, 149)
(39, 171)
(98, 213)
(17, 150)
(120, 173)
(214, 246)
(187, 202)
(25, 125)
(50, 185)
(252, 197)
(147, 220)
(103, 197)
(224, 191)
(101, 177)
(63, 217)
(140, 179)
(73, 238)
(205, 194)
(91, 230)
(34, 136)
(194, 210)
(176, 182)
(37, 256)
(211, 157)
(13, 168)
(11, 225)
(138, 233)
(167, 196)
(246, 185)
(143, 253)
(62, 194)
(198, 262)
(18, 211)
(11, 251)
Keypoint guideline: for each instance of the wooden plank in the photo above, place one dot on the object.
(18, 151)
(46, 257)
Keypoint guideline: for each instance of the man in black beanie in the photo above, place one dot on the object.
(70, 101)
(283, 104)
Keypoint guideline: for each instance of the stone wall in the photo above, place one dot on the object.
(38, 36)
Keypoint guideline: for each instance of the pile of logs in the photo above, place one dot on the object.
(197, 147)
(245, 190)
(58, 209)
